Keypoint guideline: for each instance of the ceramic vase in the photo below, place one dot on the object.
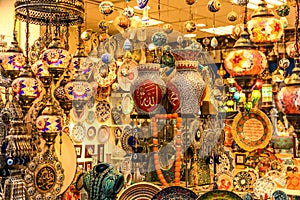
(148, 89)
(186, 89)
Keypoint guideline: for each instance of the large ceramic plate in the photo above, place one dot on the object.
(127, 104)
(67, 158)
(175, 192)
(219, 195)
(252, 130)
(242, 181)
(127, 74)
(264, 186)
(103, 134)
(139, 191)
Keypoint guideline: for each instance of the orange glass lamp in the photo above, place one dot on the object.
(264, 28)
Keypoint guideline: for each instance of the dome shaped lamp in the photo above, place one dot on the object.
(49, 123)
(56, 58)
(13, 60)
(264, 28)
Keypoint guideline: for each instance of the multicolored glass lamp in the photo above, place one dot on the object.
(244, 63)
(264, 28)
(49, 123)
(13, 60)
(56, 58)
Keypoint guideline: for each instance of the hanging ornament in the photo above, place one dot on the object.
(142, 3)
(190, 26)
(214, 5)
(284, 22)
(103, 25)
(255, 96)
(159, 39)
(206, 42)
(124, 22)
(168, 28)
(86, 35)
(283, 10)
(103, 37)
(106, 7)
(232, 16)
(128, 12)
(291, 50)
(214, 42)
(190, 2)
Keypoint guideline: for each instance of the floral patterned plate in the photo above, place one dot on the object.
(103, 134)
(127, 74)
(219, 195)
(225, 180)
(242, 181)
(252, 131)
(175, 192)
(78, 132)
(264, 186)
(91, 133)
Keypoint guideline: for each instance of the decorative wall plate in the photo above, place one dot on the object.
(219, 195)
(125, 140)
(67, 158)
(225, 180)
(242, 181)
(252, 130)
(78, 132)
(90, 118)
(103, 110)
(105, 74)
(254, 175)
(91, 133)
(139, 191)
(175, 192)
(127, 104)
(103, 134)
(264, 186)
(127, 74)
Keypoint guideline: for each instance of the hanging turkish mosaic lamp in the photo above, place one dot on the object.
(27, 88)
(79, 91)
(264, 27)
(13, 60)
(56, 58)
(49, 123)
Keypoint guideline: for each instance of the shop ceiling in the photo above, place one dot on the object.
(175, 12)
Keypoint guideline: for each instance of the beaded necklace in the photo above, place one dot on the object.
(177, 130)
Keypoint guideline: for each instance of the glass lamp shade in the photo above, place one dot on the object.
(49, 123)
(85, 64)
(60, 95)
(288, 100)
(56, 60)
(79, 90)
(11, 63)
(27, 88)
(39, 69)
(245, 62)
(265, 29)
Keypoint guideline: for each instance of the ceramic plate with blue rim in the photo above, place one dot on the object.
(280, 195)
(175, 192)
(142, 3)
(219, 195)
